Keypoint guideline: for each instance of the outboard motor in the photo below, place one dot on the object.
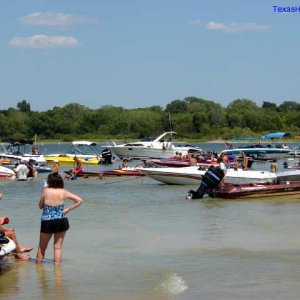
(210, 180)
(106, 156)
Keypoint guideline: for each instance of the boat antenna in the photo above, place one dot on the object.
(170, 122)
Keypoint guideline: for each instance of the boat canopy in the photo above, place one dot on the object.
(83, 143)
(275, 135)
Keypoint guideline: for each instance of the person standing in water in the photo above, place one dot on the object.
(274, 167)
(55, 166)
(54, 220)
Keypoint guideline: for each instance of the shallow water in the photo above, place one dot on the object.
(134, 238)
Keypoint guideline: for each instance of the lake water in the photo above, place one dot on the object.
(134, 238)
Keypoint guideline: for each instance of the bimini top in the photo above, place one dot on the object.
(275, 135)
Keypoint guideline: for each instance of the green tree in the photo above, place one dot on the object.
(177, 106)
(23, 106)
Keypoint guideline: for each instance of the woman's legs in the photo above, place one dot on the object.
(44, 240)
(57, 247)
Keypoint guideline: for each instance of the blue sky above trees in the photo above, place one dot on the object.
(143, 53)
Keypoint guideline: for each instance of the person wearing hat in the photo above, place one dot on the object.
(10, 233)
(21, 171)
(55, 166)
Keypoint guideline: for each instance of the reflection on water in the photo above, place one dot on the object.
(51, 282)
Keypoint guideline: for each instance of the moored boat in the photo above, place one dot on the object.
(160, 147)
(6, 173)
(108, 173)
(86, 151)
(180, 176)
(7, 246)
(193, 175)
(18, 150)
(260, 151)
(287, 189)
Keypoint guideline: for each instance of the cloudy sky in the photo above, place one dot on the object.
(139, 53)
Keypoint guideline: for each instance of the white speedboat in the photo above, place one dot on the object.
(18, 151)
(288, 175)
(192, 175)
(261, 150)
(160, 147)
(181, 176)
(6, 173)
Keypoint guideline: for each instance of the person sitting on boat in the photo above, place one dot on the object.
(78, 167)
(222, 166)
(21, 171)
(193, 160)
(235, 164)
(245, 161)
(274, 167)
(10, 233)
(225, 160)
(35, 150)
(125, 163)
(177, 156)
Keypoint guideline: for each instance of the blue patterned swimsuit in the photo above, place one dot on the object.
(53, 219)
(52, 212)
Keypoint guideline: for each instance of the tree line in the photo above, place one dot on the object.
(192, 118)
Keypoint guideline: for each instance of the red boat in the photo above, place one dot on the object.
(108, 173)
(244, 191)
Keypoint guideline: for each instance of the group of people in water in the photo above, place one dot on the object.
(25, 170)
(54, 221)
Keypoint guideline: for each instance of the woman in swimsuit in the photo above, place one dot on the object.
(54, 220)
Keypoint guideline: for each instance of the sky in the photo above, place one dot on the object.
(142, 53)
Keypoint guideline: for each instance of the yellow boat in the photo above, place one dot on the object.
(80, 149)
(69, 160)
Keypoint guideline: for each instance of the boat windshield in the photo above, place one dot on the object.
(84, 149)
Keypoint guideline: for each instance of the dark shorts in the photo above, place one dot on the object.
(54, 226)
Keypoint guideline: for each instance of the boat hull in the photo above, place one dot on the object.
(263, 153)
(175, 176)
(108, 173)
(289, 190)
(69, 159)
(6, 173)
(192, 175)
(7, 248)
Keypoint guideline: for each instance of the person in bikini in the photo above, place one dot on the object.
(53, 219)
